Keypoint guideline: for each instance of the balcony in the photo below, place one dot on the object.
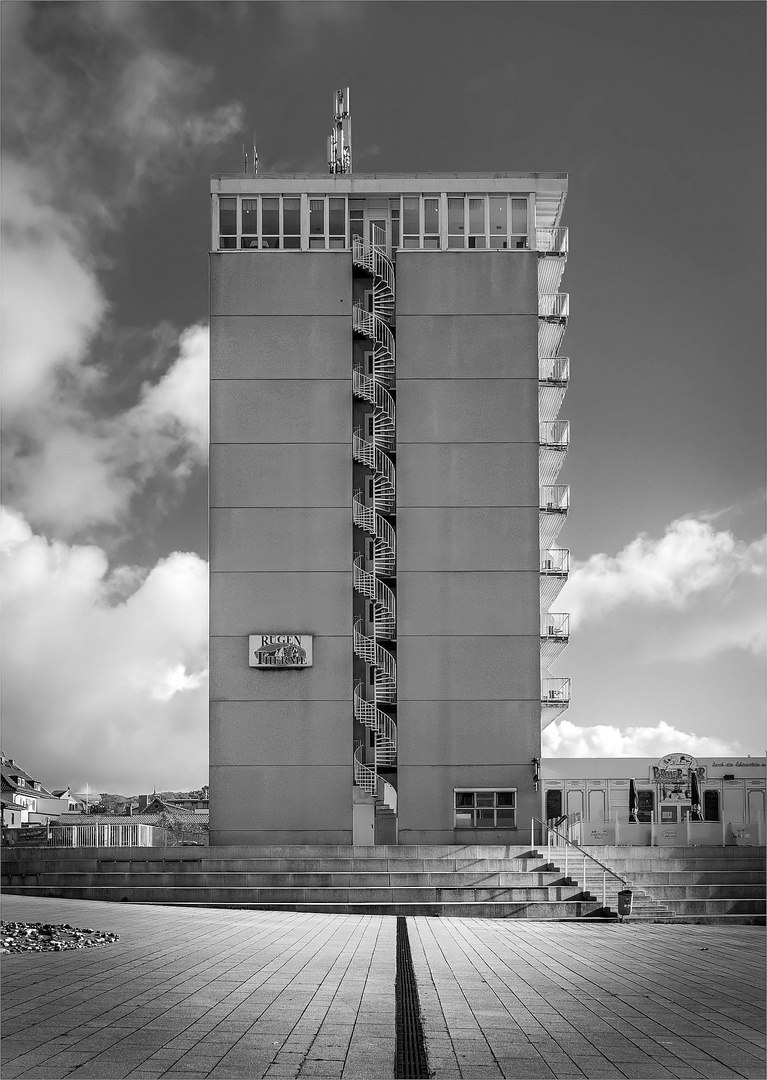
(552, 241)
(555, 626)
(555, 568)
(555, 634)
(553, 505)
(555, 561)
(554, 434)
(553, 308)
(554, 305)
(553, 377)
(555, 698)
(554, 370)
(553, 441)
(554, 499)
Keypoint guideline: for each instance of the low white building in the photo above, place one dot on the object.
(593, 794)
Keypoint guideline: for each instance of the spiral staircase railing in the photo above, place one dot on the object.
(379, 592)
(374, 452)
(384, 536)
(381, 723)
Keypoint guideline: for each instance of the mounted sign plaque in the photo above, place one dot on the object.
(280, 650)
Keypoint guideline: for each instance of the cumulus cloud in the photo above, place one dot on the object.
(704, 588)
(69, 470)
(105, 672)
(564, 739)
(98, 104)
(96, 112)
(52, 303)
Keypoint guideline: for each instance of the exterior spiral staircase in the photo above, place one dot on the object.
(372, 576)
(554, 438)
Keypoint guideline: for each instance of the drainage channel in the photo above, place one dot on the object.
(411, 1061)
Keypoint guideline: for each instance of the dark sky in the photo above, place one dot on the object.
(114, 117)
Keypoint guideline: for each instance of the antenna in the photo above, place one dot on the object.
(244, 160)
(340, 141)
(255, 156)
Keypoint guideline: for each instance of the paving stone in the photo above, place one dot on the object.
(236, 992)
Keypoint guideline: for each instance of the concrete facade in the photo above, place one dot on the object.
(375, 482)
(280, 545)
(468, 584)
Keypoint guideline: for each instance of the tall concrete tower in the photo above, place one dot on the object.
(386, 378)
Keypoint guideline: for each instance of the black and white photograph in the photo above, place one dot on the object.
(383, 537)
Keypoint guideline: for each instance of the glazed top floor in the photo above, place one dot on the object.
(419, 210)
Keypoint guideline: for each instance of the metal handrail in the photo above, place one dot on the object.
(571, 843)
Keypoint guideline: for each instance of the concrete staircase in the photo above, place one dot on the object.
(489, 882)
(669, 884)
(695, 884)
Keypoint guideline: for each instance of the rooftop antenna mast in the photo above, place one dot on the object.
(340, 140)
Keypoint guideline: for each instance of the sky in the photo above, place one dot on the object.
(114, 117)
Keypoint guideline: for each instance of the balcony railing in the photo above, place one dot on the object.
(554, 370)
(554, 498)
(555, 561)
(554, 305)
(552, 241)
(555, 692)
(554, 434)
(555, 625)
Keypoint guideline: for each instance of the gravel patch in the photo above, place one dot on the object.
(16, 937)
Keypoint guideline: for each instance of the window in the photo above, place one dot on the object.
(291, 223)
(316, 223)
(431, 222)
(553, 804)
(498, 224)
(270, 222)
(710, 805)
(356, 215)
(456, 229)
(411, 221)
(249, 223)
(327, 223)
(477, 238)
(485, 809)
(645, 805)
(519, 222)
(227, 223)
(394, 209)
(337, 223)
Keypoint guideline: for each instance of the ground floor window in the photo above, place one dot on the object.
(483, 808)
(710, 805)
(645, 805)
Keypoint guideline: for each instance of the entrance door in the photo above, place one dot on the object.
(363, 824)
(376, 224)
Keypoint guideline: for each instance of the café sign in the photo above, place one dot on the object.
(280, 650)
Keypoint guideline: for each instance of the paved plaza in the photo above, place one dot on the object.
(252, 994)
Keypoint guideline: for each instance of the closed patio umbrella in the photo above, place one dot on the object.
(633, 803)
(695, 814)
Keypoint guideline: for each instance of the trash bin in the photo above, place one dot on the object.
(625, 896)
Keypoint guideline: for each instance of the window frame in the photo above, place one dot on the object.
(299, 240)
(477, 809)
